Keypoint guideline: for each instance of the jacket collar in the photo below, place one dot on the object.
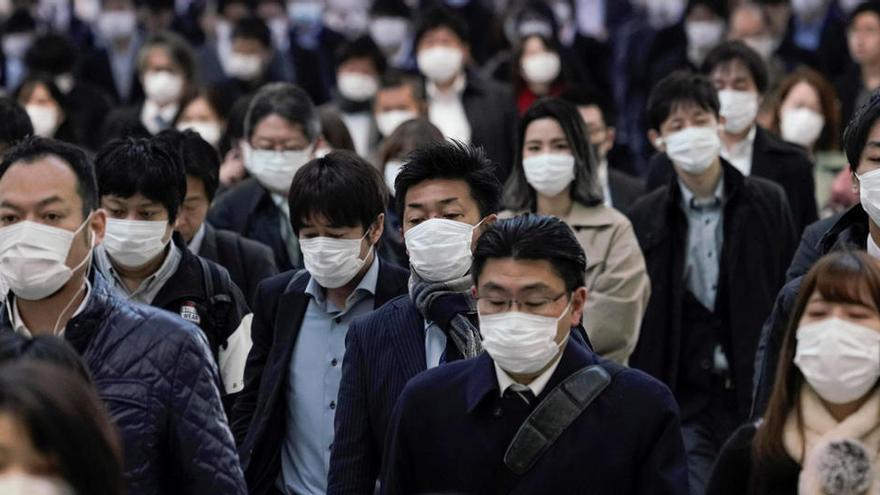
(392, 282)
(850, 231)
(186, 281)
(733, 181)
(590, 216)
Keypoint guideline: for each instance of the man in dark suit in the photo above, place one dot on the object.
(283, 421)
(456, 429)
(740, 77)
(247, 261)
(463, 104)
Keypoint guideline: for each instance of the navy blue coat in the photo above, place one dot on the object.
(449, 435)
(159, 383)
(258, 419)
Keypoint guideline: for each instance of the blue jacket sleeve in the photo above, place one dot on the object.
(396, 465)
(663, 468)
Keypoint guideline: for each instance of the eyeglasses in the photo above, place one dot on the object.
(534, 306)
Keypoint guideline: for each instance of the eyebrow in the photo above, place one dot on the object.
(874, 144)
(527, 288)
(442, 202)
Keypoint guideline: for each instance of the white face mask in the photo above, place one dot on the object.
(117, 25)
(541, 68)
(65, 82)
(389, 33)
(440, 63)
(549, 173)
(392, 169)
(209, 131)
(162, 87)
(44, 119)
(333, 262)
(275, 169)
(704, 35)
(440, 249)
(801, 126)
(134, 243)
(26, 484)
(693, 149)
(739, 108)
(764, 45)
(33, 258)
(388, 122)
(839, 359)
(357, 87)
(521, 343)
(869, 194)
(664, 13)
(244, 67)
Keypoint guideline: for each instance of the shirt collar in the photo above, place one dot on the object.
(195, 245)
(689, 202)
(151, 284)
(457, 87)
(536, 386)
(282, 204)
(743, 147)
(873, 249)
(366, 288)
(18, 325)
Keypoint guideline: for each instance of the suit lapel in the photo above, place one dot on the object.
(408, 334)
(761, 166)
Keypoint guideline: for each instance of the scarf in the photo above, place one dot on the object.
(448, 305)
(837, 458)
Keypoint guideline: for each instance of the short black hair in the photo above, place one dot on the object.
(342, 187)
(15, 124)
(440, 17)
(33, 148)
(739, 51)
(456, 161)
(289, 102)
(389, 8)
(149, 166)
(718, 7)
(395, 78)
(179, 50)
(533, 237)
(200, 159)
(871, 7)
(680, 87)
(584, 96)
(362, 47)
(51, 53)
(21, 21)
(253, 28)
(855, 136)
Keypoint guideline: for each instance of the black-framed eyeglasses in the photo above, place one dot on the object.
(534, 305)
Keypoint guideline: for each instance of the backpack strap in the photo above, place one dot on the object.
(555, 413)
(216, 281)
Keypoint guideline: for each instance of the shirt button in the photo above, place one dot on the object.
(337, 320)
(710, 254)
(333, 404)
(334, 362)
(330, 447)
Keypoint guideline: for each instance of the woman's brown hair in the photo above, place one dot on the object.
(829, 140)
(844, 277)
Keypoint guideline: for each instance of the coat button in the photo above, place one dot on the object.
(334, 362)
(497, 412)
(333, 405)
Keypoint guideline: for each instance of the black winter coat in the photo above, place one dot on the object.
(247, 261)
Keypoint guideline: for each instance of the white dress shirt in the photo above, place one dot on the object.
(873, 249)
(18, 323)
(740, 154)
(446, 110)
(536, 386)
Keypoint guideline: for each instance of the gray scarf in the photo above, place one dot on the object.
(448, 305)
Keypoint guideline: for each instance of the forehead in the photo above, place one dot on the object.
(872, 144)
(439, 33)
(44, 177)
(591, 114)
(514, 274)
(158, 56)
(138, 200)
(274, 126)
(732, 69)
(431, 191)
(684, 109)
(866, 20)
(545, 128)
(402, 92)
(801, 92)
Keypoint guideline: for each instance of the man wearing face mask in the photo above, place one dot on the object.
(740, 77)
(855, 229)
(461, 103)
(112, 65)
(250, 65)
(142, 185)
(863, 77)
(152, 369)
(462, 428)
(283, 421)
(390, 29)
(750, 24)
(716, 245)
(19, 31)
(400, 98)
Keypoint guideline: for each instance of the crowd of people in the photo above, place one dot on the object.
(439, 246)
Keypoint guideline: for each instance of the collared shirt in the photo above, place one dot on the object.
(808, 35)
(195, 244)
(18, 323)
(536, 386)
(602, 171)
(314, 373)
(360, 125)
(740, 154)
(150, 287)
(155, 118)
(704, 243)
(435, 344)
(287, 235)
(122, 64)
(873, 249)
(446, 110)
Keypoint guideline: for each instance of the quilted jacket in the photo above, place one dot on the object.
(160, 386)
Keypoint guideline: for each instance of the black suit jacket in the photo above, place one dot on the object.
(258, 419)
(247, 261)
(491, 112)
(625, 189)
(773, 159)
(95, 69)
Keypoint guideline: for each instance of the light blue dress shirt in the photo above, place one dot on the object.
(435, 344)
(313, 384)
(705, 240)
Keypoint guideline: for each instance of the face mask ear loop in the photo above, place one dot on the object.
(88, 262)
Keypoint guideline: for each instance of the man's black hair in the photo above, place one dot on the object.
(439, 17)
(855, 136)
(33, 148)
(389, 8)
(680, 87)
(362, 47)
(253, 28)
(179, 50)
(51, 53)
(289, 102)
(200, 159)
(21, 21)
(394, 78)
(341, 187)
(871, 6)
(718, 7)
(739, 51)
(583, 96)
(533, 237)
(15, 124)
(149, 166)
(455, 161)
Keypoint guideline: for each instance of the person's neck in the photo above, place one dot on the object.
(842, 411)
(527, 378)
(339, 296)
(871, 74)
(703, 186)
(134, 277)
(539, 89)
(557, 206)
(732, 139)
(41, 317)
(446, 86)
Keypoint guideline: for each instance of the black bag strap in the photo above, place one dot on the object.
(555, 413)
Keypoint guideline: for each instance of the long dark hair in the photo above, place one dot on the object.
(586, 189)
(551, 45)
(66, 423)
(845, 277)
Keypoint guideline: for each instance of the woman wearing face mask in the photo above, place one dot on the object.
(538, 71)
(205, 112)
(46, 106)
(556, 174)
(808, 114)
(821, 431)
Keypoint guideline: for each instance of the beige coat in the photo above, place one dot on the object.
(616, 279)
